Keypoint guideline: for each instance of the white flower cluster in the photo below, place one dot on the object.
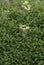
(23, 27)
(26, 5)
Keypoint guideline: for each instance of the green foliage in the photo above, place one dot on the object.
(18, 47)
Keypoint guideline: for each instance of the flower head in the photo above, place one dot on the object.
(26, 2)
(26, 5)
(23, 27)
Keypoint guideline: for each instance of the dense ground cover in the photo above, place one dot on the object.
(22, 45)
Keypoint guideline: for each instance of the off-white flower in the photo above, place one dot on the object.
(27, 27)
(26, 2)
(26, 5)
(26, 8)
(23, 27)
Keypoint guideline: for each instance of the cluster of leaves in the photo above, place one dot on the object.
(15, 47)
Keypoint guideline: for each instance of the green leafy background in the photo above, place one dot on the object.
(16, 46)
